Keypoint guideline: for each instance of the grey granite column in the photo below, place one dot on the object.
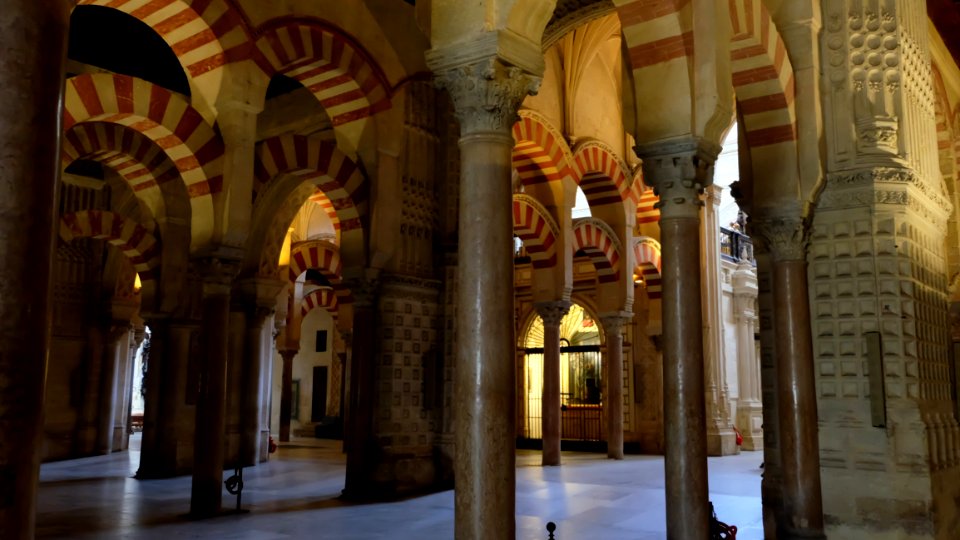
(613, 324)
(551, 313)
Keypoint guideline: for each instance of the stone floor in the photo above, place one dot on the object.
(295, 496)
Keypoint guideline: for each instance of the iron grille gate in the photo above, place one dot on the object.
(580, 397)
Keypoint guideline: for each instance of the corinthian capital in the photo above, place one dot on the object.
(678, 171)
(552, 312)
(785, 238)
(487, 93)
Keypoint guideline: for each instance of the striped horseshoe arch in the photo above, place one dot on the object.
(541, 154)
(601, 245)
(646, 252)
(134, 241)
(324, 297)
(320, 162)
(762, 75)
(205, 35)
(533, 224)
(323, 257)
(600, 173)
(339, 72)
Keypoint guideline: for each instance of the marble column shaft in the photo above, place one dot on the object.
(250, 397)
(109, 378)
(286, 393)
(678, 172)
(551, 313)
(486, 96)
(358, 425)
(210, 437)
(613, 324)
(33, 38)
(786, 239)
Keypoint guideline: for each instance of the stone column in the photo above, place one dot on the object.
(152, 436)
(486, 95)
(721, 439)
(678, 171)
(749, 408)
(551, 313)
(33, 39)
(208, 450)
(286, 393)
(613, 324)
(786, 240)
(359, 441)
(260, 304)
(109, 377)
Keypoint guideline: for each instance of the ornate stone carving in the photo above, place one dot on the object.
(364, 290)
(613, 323)
(216, 274)
(786, 238)
(486, 94)
(678, 171)
(552, 312)
(412, 287)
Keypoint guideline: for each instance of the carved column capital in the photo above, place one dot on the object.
(678, 171)
(614, 322)
(364, 290)
(216, 274)
(785, 238)
(552, 312)
(487, 93)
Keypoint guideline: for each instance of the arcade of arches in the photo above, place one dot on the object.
(341, 193)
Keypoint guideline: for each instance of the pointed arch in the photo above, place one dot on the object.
(533, 224)
(541, 154)
(324, 297)
(166, 119)
(600, 173)
(762, 75)
(134, 241)
(320, 162)
(646, 253)
(205, 35)
(341, 74)
(601, 245)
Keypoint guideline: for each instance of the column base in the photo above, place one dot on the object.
(722, 442)
(401, 475)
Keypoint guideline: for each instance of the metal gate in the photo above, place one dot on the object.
(580, 383)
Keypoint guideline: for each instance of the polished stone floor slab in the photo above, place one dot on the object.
(295, 496)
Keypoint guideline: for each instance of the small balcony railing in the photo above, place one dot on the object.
(736, 246)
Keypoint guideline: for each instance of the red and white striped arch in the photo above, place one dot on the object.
(653, 31)
(320, 199)
(647, 211)
(339, 72)
(167, 119)
(540, 234)
(541, 154)
(134, 241)
(762, 75)
(320, 162)
(600, 173)
(323, 257)
(601, 245)
(646, 252)
(324, 297)
(205, 35)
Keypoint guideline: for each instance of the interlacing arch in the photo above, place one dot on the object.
(324, 297)
(205, 35)
(336, 69)
(600, 173)
(601, 245)
(762, 75)
(320, 162)
(533, 224)
(134, 241)
(541, 154)
(646, 253)
(168, 120)
(323, 257)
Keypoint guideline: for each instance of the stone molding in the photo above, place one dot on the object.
(884, 185)
(785, 237)
(678, 171)
(412, 287)
(552, 312)
(364, 290)
(487, 93)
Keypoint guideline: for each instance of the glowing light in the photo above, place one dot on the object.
(136, 283)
